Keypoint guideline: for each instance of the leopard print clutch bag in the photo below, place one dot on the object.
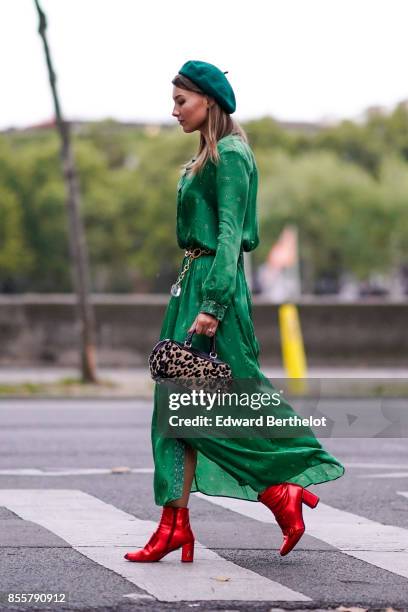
(190, 366)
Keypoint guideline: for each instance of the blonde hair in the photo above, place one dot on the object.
(220, 124)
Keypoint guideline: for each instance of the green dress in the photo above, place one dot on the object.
(216, 210)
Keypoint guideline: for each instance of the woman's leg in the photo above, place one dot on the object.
(174, 530)
(190, 462)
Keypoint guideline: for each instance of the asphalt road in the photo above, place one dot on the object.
(66, 519)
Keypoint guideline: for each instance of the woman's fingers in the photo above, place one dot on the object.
(204, 324)
(193, 326)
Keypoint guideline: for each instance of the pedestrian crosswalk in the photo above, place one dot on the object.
(103, 533)
(384, 546)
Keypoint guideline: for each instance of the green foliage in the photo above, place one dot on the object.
(341, 212)
(14, 259)
(344, 187)
(266, 133)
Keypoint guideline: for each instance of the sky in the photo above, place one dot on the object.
(295, 60)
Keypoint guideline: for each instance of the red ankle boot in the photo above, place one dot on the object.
(285, 501)
(173, 532)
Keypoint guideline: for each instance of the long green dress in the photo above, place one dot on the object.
(216, 210)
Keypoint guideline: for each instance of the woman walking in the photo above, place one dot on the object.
(216, 222)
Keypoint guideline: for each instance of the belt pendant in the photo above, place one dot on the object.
(175, 290)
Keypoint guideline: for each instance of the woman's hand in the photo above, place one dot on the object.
(204, 324)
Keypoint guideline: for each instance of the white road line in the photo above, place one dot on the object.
(384, 475)
(377, 466)
(384, 546)
(403, 493)
(103, 533)
(72, 471)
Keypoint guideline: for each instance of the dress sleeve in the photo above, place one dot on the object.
(232, 186)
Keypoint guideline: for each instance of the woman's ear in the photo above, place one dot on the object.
(210, 101)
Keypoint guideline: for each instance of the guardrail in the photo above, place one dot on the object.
(40, 329)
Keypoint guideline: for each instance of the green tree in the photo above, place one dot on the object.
(340, 210)
(15, 257)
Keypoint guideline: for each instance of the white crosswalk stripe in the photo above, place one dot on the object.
(104, 533)
(384, 546)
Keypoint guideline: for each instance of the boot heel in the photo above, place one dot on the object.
(187, 552)
(310, 499)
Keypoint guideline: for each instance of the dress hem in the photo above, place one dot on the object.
(198, 490)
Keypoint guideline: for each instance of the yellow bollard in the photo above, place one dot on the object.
(293, 353)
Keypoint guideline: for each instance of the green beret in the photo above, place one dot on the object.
(212, 82)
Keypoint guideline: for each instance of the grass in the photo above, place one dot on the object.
(76, 387)
(70, 386)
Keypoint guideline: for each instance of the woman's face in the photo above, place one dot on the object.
(190, 109)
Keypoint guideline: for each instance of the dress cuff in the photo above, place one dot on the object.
(214, 309)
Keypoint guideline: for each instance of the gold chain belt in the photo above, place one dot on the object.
(194, 253)
(191, 254)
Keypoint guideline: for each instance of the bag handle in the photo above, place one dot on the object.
(189, 337)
